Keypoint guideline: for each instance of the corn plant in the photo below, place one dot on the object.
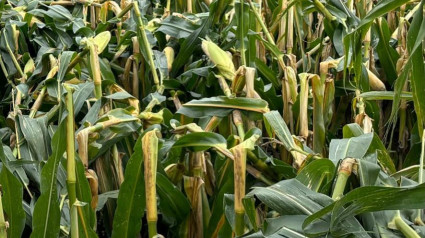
(212, 118)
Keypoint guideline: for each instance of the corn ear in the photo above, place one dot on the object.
(169, 54)
(238, 82)
(15, 34)
(374, 82)
(126, 74)
(220, 58)
(29, 67)
(101, 40)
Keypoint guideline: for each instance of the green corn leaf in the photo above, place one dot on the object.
(387, 55)
(291, 197)
(280, 128)
(317, 175)
(369, 199)
(376, 146)
(415, 36)
(354, 147)
(131, 200)
(12, 193)
(46, 218)
(199, 141)
(64, 61)
(385, 95)
(172, 202)
(87, 217)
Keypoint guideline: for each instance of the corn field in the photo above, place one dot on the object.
(212, 118)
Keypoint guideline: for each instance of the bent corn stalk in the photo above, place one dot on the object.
(150, 155)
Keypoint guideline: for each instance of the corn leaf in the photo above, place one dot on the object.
(291, 197)
(369, 199)
(12, 198)
(46, 218)
(416, 35)
(280, 128)
(221, 106)
(354, 147)
(199, 141)
(131, 201)
(317, 175)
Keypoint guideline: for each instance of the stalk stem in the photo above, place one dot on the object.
(367, 38)
(70, 158)
(144, 39)
(212, 124)
(3, 68)
(267, 33)
(125, 10)
(239, 223)
(319, 5)
(407, 17)
(257, 174)
(12, 55)
(318, 86)
(77, 59)
(290, 31)
(241, 35)
(167, 8)
(341, 182)
(402, 226)
(418, 219)
(136, 82)
(262, 24)
(152, 229)
(303, 117)
(37, 102)
(344, 173)
(189, 6)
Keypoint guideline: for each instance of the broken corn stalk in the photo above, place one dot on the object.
(150, 155)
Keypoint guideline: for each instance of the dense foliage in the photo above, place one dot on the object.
(274, 118)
